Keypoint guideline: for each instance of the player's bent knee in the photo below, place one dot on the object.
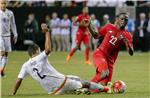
(104, 74)
(85, 83)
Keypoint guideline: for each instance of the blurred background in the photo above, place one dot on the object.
(29, 14)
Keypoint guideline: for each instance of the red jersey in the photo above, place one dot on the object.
(113, 41)
(81, 18)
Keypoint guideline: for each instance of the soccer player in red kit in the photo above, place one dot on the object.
(82, 35)
(106, 54)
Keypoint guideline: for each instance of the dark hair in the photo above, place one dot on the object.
(120, 14)
(32, 49)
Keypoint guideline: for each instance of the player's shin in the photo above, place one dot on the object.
(4, 62)
(87, 50)
(94, 87)
(1, 62)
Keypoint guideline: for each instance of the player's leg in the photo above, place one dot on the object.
(87, 50)
(4, 53)
(73, 50)
(94, 86)
(102, 71)
(4, 61)
(2, 48)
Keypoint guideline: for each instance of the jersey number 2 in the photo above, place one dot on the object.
(42, 77)
(113, 40)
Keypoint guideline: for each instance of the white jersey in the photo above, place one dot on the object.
(65, 31)
(43, 72)
(7, 23)
(55, 26)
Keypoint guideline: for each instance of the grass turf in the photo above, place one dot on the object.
(134, 71)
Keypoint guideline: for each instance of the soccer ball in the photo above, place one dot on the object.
(119, 86)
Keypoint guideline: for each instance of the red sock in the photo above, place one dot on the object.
(72, 51)
(96, 78)
(105, 81)
(87, 50)
(105, 89)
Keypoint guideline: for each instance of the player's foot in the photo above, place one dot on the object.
(3, 74)
(82, 91)
(107, 90)
(68, 58)
(88, 62)
(109, 86)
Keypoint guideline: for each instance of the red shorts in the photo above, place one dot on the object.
(102, 63)
(82, 36)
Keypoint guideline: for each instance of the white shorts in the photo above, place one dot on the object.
(72, 83)
(5, 44)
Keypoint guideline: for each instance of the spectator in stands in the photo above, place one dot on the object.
(48, 20)
(31, 28)
(105, 19)
(96, 24)
(148, 30)
(55, 27)
(74, 28)
(141, 26)
(130, 27)
(65, 32)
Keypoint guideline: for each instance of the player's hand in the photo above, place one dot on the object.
(44, 28)
(15, 39)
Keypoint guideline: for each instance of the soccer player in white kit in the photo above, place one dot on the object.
(7, 25)
(46, 75)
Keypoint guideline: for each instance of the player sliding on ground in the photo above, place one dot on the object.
(106, 54)
(47, 76)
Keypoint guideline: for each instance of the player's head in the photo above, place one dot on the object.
(33, 50)
(85, 10)
(3, 4)
(121, 20)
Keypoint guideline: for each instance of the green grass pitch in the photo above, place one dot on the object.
(134, 71)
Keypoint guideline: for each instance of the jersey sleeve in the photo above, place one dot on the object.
(23, 73)
(103, 30)
(13, 25)
(42, 56)
(78, 18)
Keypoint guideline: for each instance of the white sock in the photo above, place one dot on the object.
(1, 61)
(95, 86)
(4, 61)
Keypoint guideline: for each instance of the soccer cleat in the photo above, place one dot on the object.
(68, 58)
(107, 90)
(109, 85)
(3, 74)
(88, 62)
(82, 91)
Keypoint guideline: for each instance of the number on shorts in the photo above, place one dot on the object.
(113, 40)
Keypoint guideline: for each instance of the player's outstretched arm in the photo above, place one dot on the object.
(17, 85)
(47, 38)
(94, 32)
(129, 47)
